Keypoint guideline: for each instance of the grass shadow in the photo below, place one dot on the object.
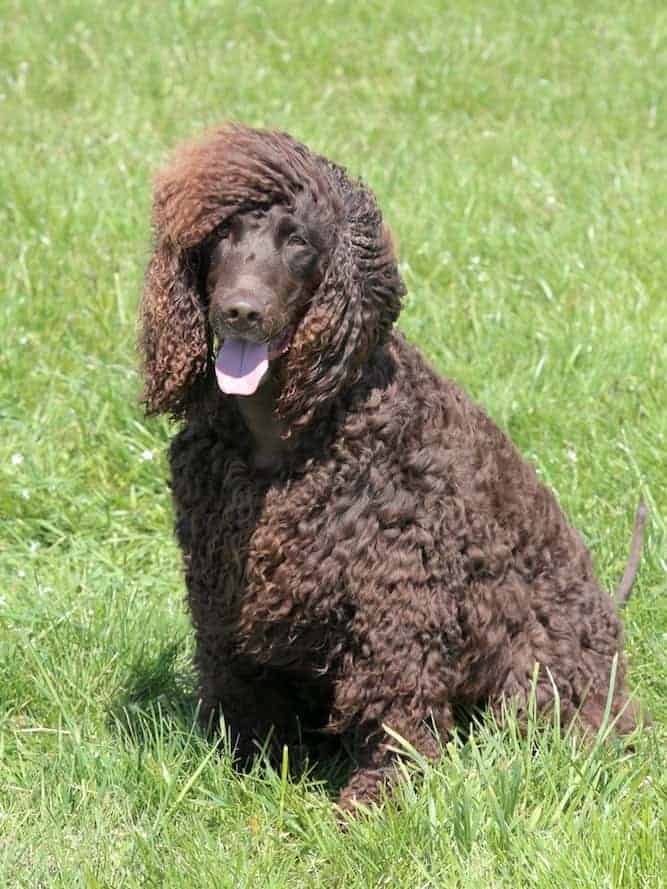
(160, 698)
(160, 686)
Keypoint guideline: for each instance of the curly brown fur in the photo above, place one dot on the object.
(396, 557)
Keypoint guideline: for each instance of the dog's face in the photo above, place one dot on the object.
(299, 294)
(261, 274)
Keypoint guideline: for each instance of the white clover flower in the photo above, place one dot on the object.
(17, 459)
(146, 455)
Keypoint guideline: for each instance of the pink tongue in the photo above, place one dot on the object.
(240, 366)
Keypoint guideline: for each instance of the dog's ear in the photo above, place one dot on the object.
(173, 336)
(384, 288)
(352, 312)
(322, 355)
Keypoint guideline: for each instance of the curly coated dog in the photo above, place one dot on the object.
(363, 547)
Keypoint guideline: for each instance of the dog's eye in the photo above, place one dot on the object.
(297, 240)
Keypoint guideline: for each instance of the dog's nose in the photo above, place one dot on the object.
(242, 312)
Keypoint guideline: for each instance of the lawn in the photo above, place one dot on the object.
(519, 151)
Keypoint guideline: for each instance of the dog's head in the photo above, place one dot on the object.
(268, 260)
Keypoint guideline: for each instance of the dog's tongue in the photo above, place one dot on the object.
(240, 366)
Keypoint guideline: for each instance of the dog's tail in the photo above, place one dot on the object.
(625, 586)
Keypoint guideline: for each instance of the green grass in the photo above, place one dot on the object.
(518, 151)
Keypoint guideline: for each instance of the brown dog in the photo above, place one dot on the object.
(363, 547)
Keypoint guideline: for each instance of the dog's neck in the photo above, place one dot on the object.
(258, 412)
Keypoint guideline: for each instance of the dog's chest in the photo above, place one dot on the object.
(254, 552)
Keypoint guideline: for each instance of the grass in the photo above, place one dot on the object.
(518, 150)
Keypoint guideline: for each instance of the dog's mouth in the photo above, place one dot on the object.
(241, 365)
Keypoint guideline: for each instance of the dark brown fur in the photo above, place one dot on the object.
(400, 558)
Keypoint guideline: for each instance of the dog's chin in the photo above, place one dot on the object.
(242, 367)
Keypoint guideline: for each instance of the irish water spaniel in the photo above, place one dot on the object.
(363, 547)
